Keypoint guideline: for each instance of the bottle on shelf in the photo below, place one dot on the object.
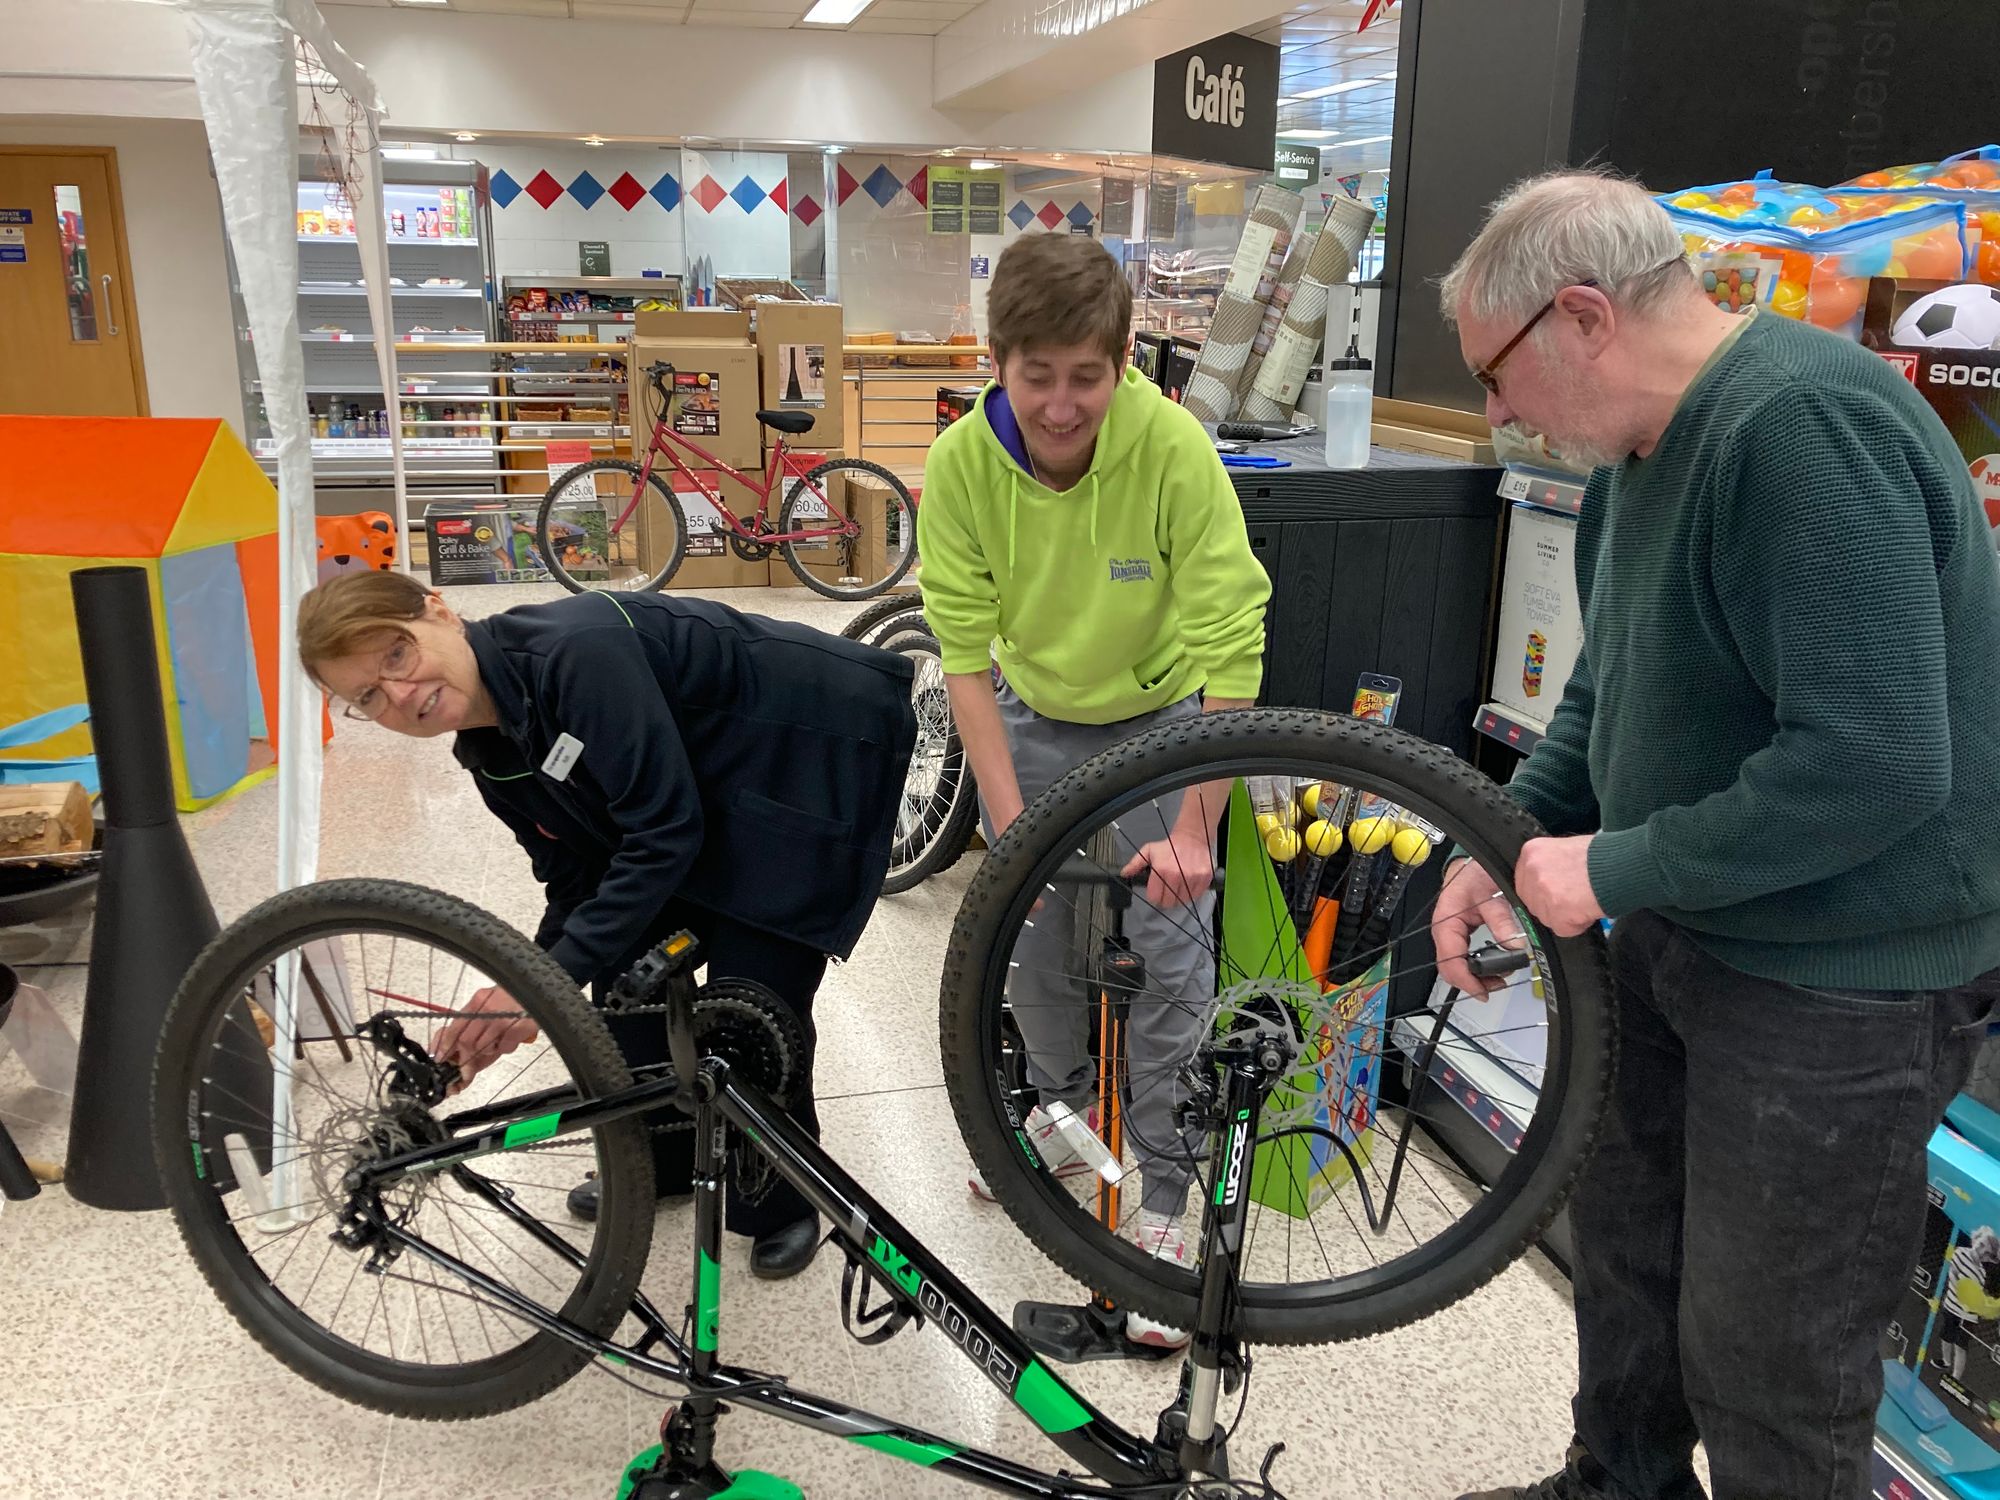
(1350, 401)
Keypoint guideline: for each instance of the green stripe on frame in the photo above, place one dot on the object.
(525, 1132)
(707, 1301)
(922, 1454)
(1048, 1402)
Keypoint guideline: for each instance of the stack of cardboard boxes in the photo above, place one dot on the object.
(722, 379)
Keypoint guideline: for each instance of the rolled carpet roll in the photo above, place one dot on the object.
(1282, 374)
(1281, 298)
(1219, 374)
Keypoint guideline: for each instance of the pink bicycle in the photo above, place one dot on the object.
(847, 528)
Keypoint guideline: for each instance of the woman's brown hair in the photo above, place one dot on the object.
(351, 613)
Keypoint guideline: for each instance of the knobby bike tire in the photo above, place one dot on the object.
(971, 1010)
(863, 626)
(630, 470)
(604, 1289)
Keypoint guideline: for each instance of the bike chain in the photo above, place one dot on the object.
(520, 1015)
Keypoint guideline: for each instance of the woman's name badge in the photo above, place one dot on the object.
(562, 756)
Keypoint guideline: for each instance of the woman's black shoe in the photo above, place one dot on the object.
(583, 1199)
(785, 1252)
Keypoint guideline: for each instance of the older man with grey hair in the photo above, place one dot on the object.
(1777, 768)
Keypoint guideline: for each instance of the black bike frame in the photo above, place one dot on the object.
(920, 1285)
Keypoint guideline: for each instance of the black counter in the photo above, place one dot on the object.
(1384, 569)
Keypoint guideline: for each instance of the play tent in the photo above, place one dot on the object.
(183, 499)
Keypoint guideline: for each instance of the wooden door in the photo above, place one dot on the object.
(72, 344)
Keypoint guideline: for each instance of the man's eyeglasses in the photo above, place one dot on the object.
(399, 664)
(1488, 374)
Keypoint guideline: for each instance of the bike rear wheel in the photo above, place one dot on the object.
(257, 1196)
(940, 803)
(1362, 1217)
(883, 545)
(629, 548)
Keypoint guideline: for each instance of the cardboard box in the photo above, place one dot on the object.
(716, 396)
(798, 348)
(496, 543)
(1541, 628)
(1941, 1351)
(822, 556)
(1928, 344)
(710, 563)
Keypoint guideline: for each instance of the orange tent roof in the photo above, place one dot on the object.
(97, 486)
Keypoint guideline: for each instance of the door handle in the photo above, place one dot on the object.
(110, 307)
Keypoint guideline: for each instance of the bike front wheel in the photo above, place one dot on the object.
(259, 1178)
(882, 545)
(600, 530)
(1063, 986)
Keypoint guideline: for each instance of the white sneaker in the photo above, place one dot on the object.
(1160, 1237)
(1051, 1145)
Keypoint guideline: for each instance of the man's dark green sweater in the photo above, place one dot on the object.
(1785, 720)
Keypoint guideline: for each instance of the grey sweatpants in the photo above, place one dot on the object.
(1048, 989)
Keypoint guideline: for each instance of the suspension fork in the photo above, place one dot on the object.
(1214, 1345)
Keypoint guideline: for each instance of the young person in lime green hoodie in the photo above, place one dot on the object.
(1087, 573)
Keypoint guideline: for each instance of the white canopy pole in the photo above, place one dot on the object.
(245, 55)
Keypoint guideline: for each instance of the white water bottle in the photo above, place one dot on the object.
(1350, 403)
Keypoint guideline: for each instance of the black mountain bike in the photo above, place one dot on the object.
(400, 1241)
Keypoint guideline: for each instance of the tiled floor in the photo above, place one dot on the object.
(121, 1375)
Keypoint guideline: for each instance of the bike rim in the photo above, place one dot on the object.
(1314, 1235)
(270, 1193)
(875, 551)
(937, 781)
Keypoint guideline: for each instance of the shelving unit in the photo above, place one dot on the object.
(622, 292)
(445, 235)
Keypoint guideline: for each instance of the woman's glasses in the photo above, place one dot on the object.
(399, 664)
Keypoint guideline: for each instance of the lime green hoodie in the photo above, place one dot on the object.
(1106, 601)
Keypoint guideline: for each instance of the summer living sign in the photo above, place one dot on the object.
(965, 200)
(1218, 102)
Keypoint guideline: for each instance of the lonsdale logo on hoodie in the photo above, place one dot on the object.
(1051, 582)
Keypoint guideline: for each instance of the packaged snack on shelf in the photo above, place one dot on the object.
(1807, 253)
(1971, 178)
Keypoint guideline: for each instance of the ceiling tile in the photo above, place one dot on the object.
(760, 19)
(555, 8)
(611, 10)
(892, 25)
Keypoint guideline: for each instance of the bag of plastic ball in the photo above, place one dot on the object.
(1805, 252)
(1971, 178)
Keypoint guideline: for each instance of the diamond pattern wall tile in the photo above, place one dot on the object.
(1080, 215)
(626, 192)
(586, 189)
(1021, 214)
(845, 184)
(920, 187)
(881, 185)
(780, 196)
(1050, 216)
(807, 210)
(544, 189)
(667, 193)
(749, 197)
(503, 189)
(708, 193)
